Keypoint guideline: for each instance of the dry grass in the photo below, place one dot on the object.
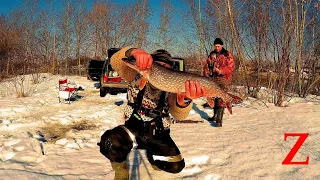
(56, 131)
(83, 125)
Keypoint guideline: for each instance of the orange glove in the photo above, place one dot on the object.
(193, 91)
(143, 59)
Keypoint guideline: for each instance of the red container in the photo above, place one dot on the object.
(115, 79)
(105, 79)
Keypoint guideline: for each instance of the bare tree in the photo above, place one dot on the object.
(45, 39)
(52, 20)
(5, 45)
(12, 42)
(258, 21)
(236, 40)
(141, 21)
(66, 22)
(165, 21)
(286, 43)
(125, 26)
(80, 28)
(100, 20)
(47, 35)
(195, 10)
(30, 22)
(301, 8)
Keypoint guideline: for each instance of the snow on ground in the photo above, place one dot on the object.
(250, 145)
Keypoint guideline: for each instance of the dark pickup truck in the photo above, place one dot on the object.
(95, 69)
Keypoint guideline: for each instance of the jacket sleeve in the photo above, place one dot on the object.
(179, 113)
(124, 71)
(229, 67)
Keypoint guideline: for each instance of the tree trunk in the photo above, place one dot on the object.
(237, 44)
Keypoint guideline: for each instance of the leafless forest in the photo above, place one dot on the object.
(275, 43)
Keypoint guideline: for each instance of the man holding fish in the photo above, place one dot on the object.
(147, 115)
(154, 92)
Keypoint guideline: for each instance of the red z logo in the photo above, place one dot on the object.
(296, 147)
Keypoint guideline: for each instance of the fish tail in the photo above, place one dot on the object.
(229, 107)
(235, 99)
(210, 101)
(180, 97)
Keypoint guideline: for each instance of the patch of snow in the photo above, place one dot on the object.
(7, 155)
(11, 142)
(6, 122)
(26, 159)
(64, 121)
(14, 126)
(62, 142)
(19, 148)
(79, 156)
(6, 112)
(41, 159)
(4, 127)
(19, 110)
(297, 100)
(72, 145)
(54, 118)
(201, 160)
(212, 177)
(90, 145)
(191, 171)
(192, 112)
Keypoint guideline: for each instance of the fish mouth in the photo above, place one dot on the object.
(130, 60)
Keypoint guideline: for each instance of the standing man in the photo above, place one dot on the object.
(219, 64)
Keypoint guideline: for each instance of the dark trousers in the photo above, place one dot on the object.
(161, 150)
(218, 111)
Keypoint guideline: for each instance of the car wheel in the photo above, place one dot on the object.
(103, 91)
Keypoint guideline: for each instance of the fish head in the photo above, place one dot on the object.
(131, 62)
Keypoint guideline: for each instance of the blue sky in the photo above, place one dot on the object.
(6, 6)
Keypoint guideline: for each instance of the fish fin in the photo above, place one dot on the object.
(143, 82)
(180, 97)
(235, 99)
(210, 101)
(229, 107)
(222, 82)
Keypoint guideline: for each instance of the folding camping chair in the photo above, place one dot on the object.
(67, 91)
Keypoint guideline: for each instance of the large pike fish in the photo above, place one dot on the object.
(173, 81)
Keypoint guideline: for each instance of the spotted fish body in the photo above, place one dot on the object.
(173, 81)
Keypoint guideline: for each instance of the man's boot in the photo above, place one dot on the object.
(121, 170)
(213, 118)
(218, 116)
